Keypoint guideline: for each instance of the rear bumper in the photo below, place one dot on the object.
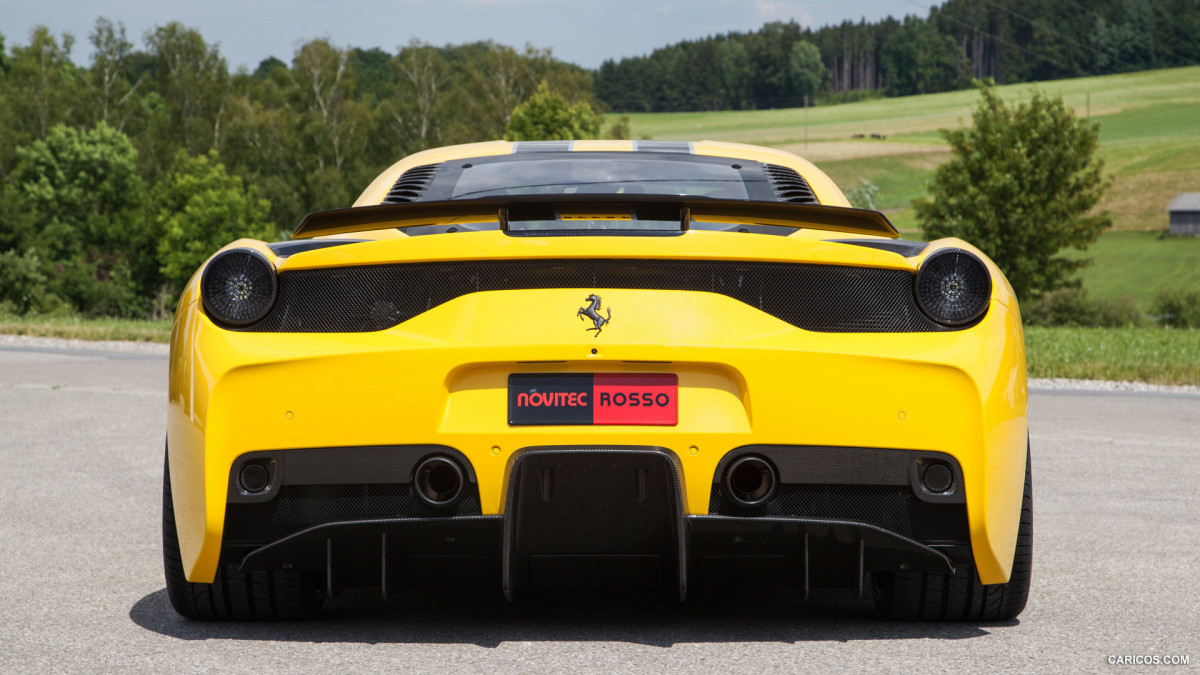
(745, 379)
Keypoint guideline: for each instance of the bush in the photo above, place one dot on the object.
(863, 196)
(620, 129)
(1072, 307)
(1177, 308)
(1021, 184)
(202, 207)
(22, 283)
(546, 116)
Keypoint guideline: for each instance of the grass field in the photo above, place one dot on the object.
(1149, 141)
(76, 328)
(917, 119)
(1155, 355)
(1139, 264)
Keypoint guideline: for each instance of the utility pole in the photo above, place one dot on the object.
(806, 122)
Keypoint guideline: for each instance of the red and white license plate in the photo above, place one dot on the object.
(593, 398)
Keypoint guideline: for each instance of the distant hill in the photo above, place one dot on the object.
(1010, 41)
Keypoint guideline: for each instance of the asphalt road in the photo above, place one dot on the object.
(1116, 568)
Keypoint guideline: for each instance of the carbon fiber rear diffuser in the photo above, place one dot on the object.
(596, 517)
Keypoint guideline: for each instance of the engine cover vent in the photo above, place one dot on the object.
(788, 185)
(412, 184)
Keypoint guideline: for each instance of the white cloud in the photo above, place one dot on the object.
(781, 10)
(497, 4)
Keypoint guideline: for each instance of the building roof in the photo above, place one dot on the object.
(1185, 201)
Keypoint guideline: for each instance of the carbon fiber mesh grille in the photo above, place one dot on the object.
(892, 508)
(824, 298)
(298, 507)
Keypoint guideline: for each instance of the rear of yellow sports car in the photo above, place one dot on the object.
(501, 395)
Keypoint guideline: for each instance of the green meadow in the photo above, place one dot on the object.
(79, 328)
(1154, 355)
(1149, 141)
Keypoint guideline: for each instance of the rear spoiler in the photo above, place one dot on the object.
(412, 214)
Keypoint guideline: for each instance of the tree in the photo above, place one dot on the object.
(414, 113)
(266, 147)
(495, 79)
(807, 70)
(734, 64)
(373, 72)
(76, 203)
(193, 81)
(4, 62)
(548, 117)
(1021, 185)
(109, 75)
(917, 59)
(334, 126)
(22, 282)
(41, 88)
(769, 51)
(84, 182)
(201, 209)
(267, 67)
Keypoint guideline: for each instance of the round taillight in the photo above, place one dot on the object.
(238, 287)
(953, 287)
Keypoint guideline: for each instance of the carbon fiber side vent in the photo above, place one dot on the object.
(788, 185)
(411, 184)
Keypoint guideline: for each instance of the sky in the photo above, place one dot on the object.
(585, 32)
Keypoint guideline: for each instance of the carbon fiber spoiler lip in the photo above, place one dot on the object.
(783, 214)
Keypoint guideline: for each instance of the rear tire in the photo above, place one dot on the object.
(233, 595)
(915, 596)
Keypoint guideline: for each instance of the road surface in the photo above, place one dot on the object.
(1116, 561)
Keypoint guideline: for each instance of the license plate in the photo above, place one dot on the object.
(595, 398)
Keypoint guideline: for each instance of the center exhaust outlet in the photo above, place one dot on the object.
(750, 481)
(439, 482)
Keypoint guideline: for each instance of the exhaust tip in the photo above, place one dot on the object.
(439, 482)
(750, 481)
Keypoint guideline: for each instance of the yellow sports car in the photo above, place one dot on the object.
(631, 364)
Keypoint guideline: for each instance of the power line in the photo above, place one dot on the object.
(1146, 36)
(1047, 26)
(1010, 44)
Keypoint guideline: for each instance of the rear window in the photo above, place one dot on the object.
(600, 176)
